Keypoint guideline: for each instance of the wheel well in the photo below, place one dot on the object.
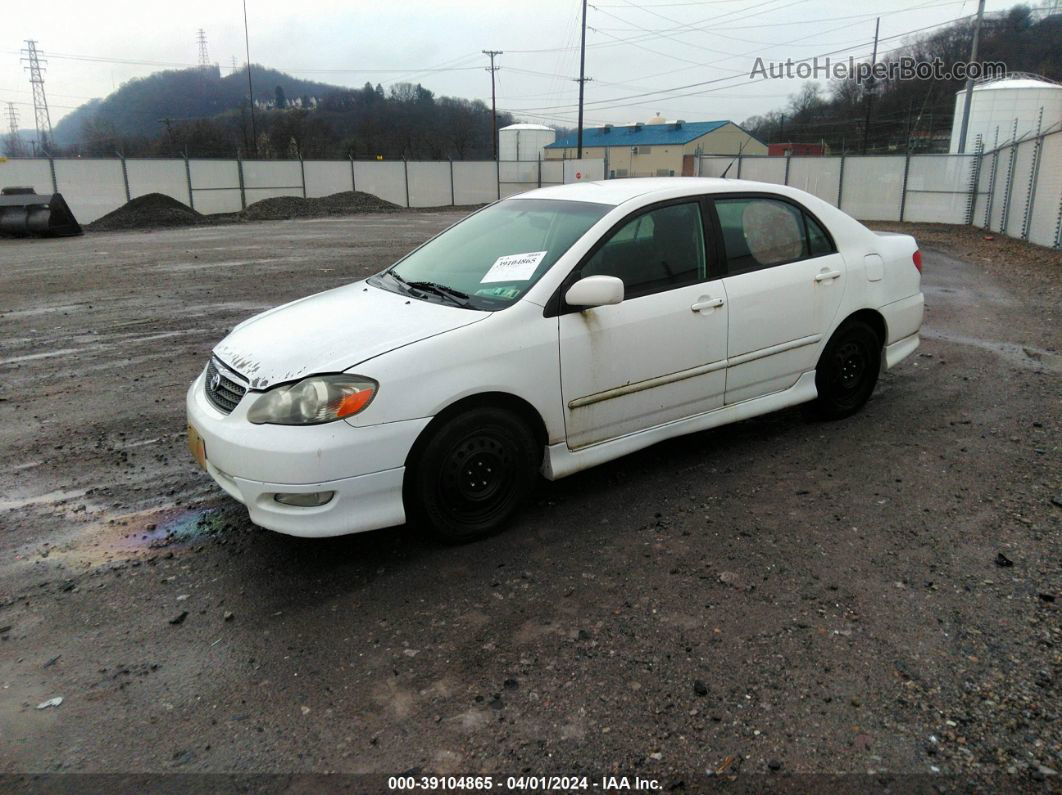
(873, 319)
(504, 400)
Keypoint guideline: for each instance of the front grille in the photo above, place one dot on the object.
(222, 388)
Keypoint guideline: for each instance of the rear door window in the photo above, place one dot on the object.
(760, 233)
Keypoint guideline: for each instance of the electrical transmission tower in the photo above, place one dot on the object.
(31, 57)
(204, 57)
(14, 144)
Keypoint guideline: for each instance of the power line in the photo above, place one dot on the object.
(612, 102)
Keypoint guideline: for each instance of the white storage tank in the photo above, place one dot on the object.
(524, 142)
(997, 103)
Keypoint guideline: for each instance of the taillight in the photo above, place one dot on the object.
(917, 258)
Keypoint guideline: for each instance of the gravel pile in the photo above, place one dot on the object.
(151, 211)
(346, 203)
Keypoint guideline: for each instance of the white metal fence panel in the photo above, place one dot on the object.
(384, 179)
(872, 187)
(215, 186)
(92, 188)
(167, 177)
(938, 188)
(984, 191)
(584, 170)
(998, 189)
(819, 176)
(761, 169)
(265, 179)
(1045, 219)
(475, 182)
(325, 177)
(552, 172)
(429, 184)
(517, 177)
(34, 174)
(1019, 188)
(715, 165)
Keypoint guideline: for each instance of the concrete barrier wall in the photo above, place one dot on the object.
(95, 187)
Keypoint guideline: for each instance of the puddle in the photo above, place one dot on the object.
(137, 535)
(171, 528)
(112, 538)
(1021, 355)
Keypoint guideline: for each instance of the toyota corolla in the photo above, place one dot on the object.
(544, 334)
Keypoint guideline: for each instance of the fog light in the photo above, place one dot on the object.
(307, 500)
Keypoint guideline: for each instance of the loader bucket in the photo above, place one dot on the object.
(24, 212)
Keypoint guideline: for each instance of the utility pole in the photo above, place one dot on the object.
(873, 85)
(40, 101)
(493, 103)
(582, 83)
(250, 86)
(204, 58)
(969, 80)
(14, 146)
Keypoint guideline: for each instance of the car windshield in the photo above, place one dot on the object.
(490, 259)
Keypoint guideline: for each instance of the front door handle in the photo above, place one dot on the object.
(710, 303)
(826, 275)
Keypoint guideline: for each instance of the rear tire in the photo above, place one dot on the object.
(847, 371)
(473, 474)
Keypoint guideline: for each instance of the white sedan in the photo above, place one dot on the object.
(544, 334)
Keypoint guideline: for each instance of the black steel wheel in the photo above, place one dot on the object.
(473, 474)
(847, 371)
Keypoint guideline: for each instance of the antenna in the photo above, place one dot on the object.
(31, 57)
(204, 57)
(741, 148)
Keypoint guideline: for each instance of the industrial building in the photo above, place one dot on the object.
(657, 148)
(1008, 108)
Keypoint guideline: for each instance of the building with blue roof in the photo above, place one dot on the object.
(657, 148)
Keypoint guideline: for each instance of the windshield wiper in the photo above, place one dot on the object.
(449, 293)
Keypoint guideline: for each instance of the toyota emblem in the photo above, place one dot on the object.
(215, 382)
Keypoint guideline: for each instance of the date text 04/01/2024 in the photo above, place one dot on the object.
(517, 783)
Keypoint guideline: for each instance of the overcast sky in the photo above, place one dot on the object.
(633, 47)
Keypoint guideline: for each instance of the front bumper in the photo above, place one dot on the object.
(364, 466)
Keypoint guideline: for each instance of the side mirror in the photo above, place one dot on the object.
(594, 291)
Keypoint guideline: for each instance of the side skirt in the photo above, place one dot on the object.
(560, 461)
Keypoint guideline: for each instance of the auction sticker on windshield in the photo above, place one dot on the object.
(514, 267)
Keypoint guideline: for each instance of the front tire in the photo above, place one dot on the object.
(847, 371)
(473, 474)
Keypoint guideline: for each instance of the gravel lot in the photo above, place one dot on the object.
(773, 598)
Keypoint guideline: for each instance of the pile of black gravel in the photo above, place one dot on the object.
(346, 203)
(150, 211)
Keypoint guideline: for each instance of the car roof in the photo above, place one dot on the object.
(617, 191)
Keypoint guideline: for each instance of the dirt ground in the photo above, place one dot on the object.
(775, 598)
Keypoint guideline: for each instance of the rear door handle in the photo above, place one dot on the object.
(711, 303)
(825, 275)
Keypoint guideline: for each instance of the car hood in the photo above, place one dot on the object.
(333, 331)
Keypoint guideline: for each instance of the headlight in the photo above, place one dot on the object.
(320, 398)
